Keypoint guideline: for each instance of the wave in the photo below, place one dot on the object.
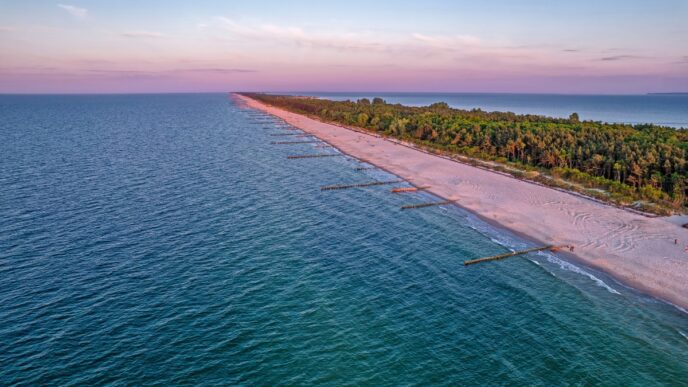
(506, 240)
(678, 307)
(513, 243)
(573, 268)
(682, 334)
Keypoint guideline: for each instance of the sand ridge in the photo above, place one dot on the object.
(636, 250)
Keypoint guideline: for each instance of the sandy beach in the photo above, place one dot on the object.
(636, 250)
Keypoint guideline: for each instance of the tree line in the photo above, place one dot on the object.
(631, 162)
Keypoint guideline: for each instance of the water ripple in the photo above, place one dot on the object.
(163, 240)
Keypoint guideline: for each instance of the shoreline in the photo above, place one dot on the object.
(484, 165)
(632, 249)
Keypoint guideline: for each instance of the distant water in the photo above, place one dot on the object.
(660, 109)
(161, 239)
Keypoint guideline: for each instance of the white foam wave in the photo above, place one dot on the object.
(573, 268)
(683, 334)
(512, 243)
(543, 267)
(495, 240)
(678, 307)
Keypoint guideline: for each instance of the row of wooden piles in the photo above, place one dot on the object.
(553, 248)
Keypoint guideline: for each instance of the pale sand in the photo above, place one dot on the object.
(636, 250)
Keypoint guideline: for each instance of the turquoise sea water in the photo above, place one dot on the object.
(162, 239)
(660, 109)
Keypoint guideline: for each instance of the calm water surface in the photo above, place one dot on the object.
(161, 239)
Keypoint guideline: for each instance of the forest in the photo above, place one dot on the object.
(640, 165)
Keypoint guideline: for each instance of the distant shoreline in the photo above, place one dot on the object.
(635, 250)
(632, 109)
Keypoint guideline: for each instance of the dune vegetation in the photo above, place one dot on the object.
(643, 166)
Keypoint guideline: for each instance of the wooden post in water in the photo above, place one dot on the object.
(409, 189)
(314, 156)
(514, 253)
(359, 185)
(293, 142)
(422, 205)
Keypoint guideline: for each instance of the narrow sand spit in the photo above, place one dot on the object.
(637, 250)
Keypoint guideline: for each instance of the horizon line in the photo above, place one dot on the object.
(334, 92)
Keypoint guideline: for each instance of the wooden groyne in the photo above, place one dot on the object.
(409, 189)
(314, 156)
(324, 146)
(284, 134)
(423, 205)
(363, 168)
(515, 253)
(293, 142)
(359, 185)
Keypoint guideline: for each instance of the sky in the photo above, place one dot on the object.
(535, 46)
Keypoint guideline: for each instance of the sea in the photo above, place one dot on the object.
(162, 239)
(659, 109)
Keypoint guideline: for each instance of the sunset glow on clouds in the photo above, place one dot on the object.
(536, 46)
